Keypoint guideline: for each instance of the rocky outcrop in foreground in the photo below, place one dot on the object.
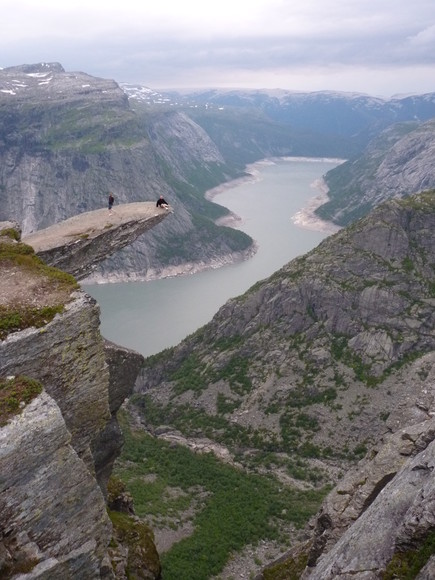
(58, 445)
(381, 513)
(54, 521)
(79, 244)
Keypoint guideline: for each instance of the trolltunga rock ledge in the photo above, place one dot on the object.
(78, 244)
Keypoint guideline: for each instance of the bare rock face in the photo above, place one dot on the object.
(345, 319)
(54, 522)
(67, 357)
(79, 244)
(389, 512)
(397, 163)
(358, 491)
(124, 365)
(57, 456)
(57, 451)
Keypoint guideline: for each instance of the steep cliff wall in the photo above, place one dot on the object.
(319, 343)
(397, 163)
(54, 522)
(57, 447)
(67, 139)
(67, 357)
(330, 358)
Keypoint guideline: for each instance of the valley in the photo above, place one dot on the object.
(290, 434)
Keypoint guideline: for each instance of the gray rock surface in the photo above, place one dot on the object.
(342, 322)
(124, 365)
(360, 487)
(57, 452)
(78, 244)
(68, 139)
(397, 163)
(54, 519)
(392, 511)
(67, 356)
(330, 356)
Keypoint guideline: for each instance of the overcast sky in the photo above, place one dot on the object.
(379, 47)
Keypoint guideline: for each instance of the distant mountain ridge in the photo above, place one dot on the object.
(324, 112)
(388, 143)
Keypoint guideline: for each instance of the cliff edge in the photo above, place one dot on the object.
(61, 385)
(77, 245)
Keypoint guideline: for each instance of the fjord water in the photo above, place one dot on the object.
(151, 316)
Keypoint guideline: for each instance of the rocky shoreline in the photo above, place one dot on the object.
(185, 269)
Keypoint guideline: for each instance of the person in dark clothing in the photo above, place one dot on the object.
(161, 202)
(111, 201)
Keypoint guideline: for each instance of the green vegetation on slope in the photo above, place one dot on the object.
(140, 542)
(237, 508)
(189, 246)
(19, 314)
(407, 564)
(15, 393)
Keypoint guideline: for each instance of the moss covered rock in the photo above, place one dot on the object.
(133, 552)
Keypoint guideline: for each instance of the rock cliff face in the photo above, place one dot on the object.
(54, 521)
(67, 139)
(382, 510)
(68, 358)
(57, 449)
(79, 244)
(320, 338)
(329, 358)
(397, 163)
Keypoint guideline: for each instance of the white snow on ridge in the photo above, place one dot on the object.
(144, 94)
(38, 74)
(15, 86)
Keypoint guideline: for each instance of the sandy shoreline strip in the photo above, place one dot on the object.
(307, 219)
(252, 174)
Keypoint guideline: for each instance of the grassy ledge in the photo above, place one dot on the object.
(15, 394)
(31, 293)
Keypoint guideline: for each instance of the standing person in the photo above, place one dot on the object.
(161, 202)
(111, 201)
